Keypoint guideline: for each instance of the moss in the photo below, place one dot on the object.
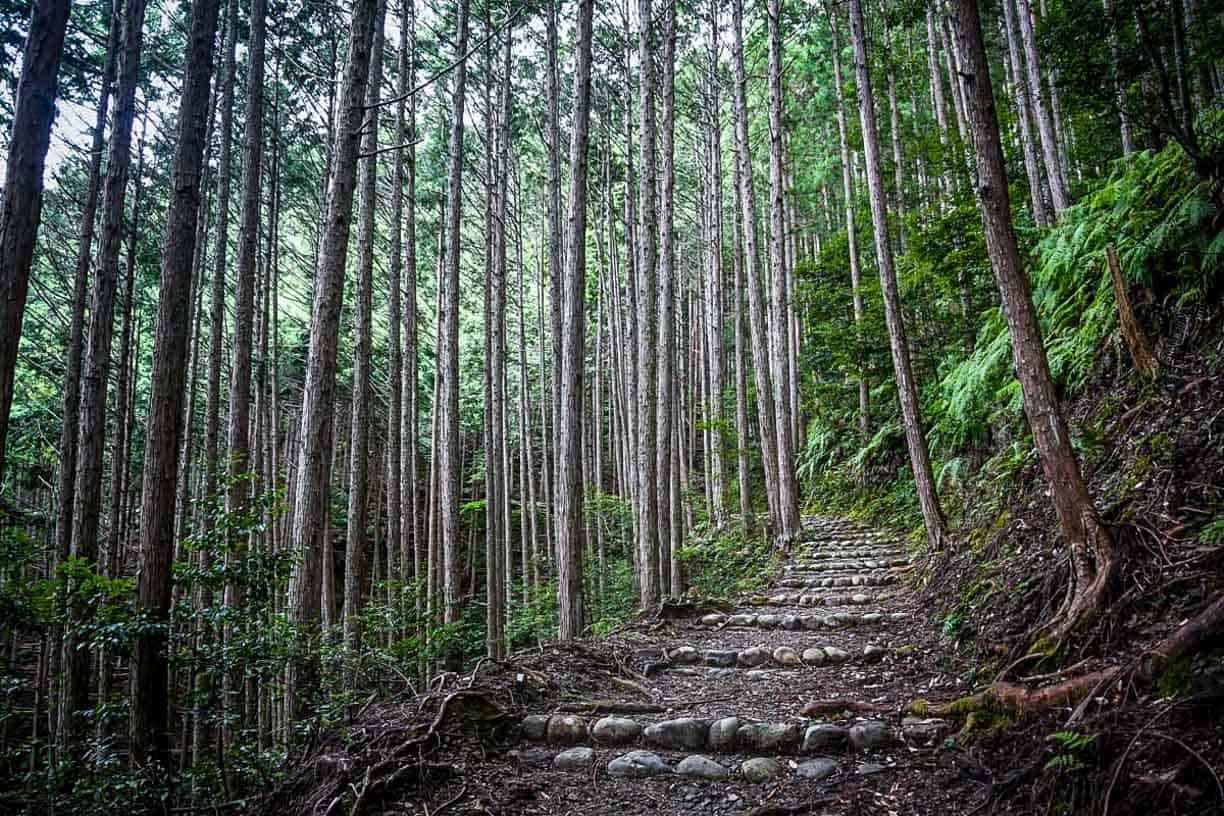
(1176, 679)
(959, 709)
(919, 707)
(984, 722)
(906, 650)
(1047, 649)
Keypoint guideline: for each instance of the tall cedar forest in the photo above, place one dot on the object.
(632, 407)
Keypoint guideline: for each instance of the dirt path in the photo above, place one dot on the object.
(716, 723)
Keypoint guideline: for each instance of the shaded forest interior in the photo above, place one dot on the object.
(351, 352)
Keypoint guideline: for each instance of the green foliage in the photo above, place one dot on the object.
(1071, 749)
(725, 563)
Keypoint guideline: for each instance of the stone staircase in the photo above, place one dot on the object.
(803, 684)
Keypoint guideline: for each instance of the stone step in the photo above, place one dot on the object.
(854, 579)
(756, 657)
(849, 563)
(836, 620)
(732, 734)
(857, 552)
(808, 599)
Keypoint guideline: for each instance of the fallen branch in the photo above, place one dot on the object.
(819, 707)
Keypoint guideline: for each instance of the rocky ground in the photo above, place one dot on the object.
(795, 700)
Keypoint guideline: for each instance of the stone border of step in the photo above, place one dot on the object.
(726, 735)
(755, 657)
(794, 623)
(808, 599)
(840, 581)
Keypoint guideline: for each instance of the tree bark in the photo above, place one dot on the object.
(666, 353)
(149, 724)
(1038, 191)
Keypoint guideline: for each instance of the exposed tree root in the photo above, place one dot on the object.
(1202, 632)
(819, 707)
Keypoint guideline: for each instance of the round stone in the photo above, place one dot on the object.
(685, 656)
(615, 731)
(816, 770)
(824, 737)
(638, 765)
(702, 767)
(754, 656)
(769, 736)
(872, 617)
(835, 654)
(563, 728)
(756, 675)
(760, 769)
(722, 733)
(741, 620)
(785, 656)
(860, 598)
(684, 733)
(874, 654)
(768, 621)
(922, 732)
(814, 656)
(870, 735)
(718, 657)
(813, 622)
(535, 726)
(791, 622)
(713, 619)
(575, 759)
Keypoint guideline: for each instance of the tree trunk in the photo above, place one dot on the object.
(1041, 110)
(647, 347)
(766, 418)
(779, 336)
(21, 202)
(318, 400)
(1092, 550)
(359, 438)
(1038, 191)
(149, 725)
(569, 461)
(907, 388)
(856, 269)
(714, 319)
(92, 430)
(666, 353)
(447, 410)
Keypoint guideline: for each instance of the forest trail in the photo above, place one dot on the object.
(791, 702)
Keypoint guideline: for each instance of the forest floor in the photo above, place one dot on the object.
(799, 699)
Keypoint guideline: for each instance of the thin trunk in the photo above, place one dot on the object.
(666, 353)
(569, 461)
(779, 337)
(907, 388)
(1041, 110)
(447, 411)
(1038, 191)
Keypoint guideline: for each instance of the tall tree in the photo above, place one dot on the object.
(907, 387)
(647, 323)
(92, 431)
(446, 410)
(359, 438)
(1094, 558)
(149, 698)
(666, 402)
(779, 336)
(766, 418)
(21, 201)
(1050, 149)
(573, 357)
(312, 493)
